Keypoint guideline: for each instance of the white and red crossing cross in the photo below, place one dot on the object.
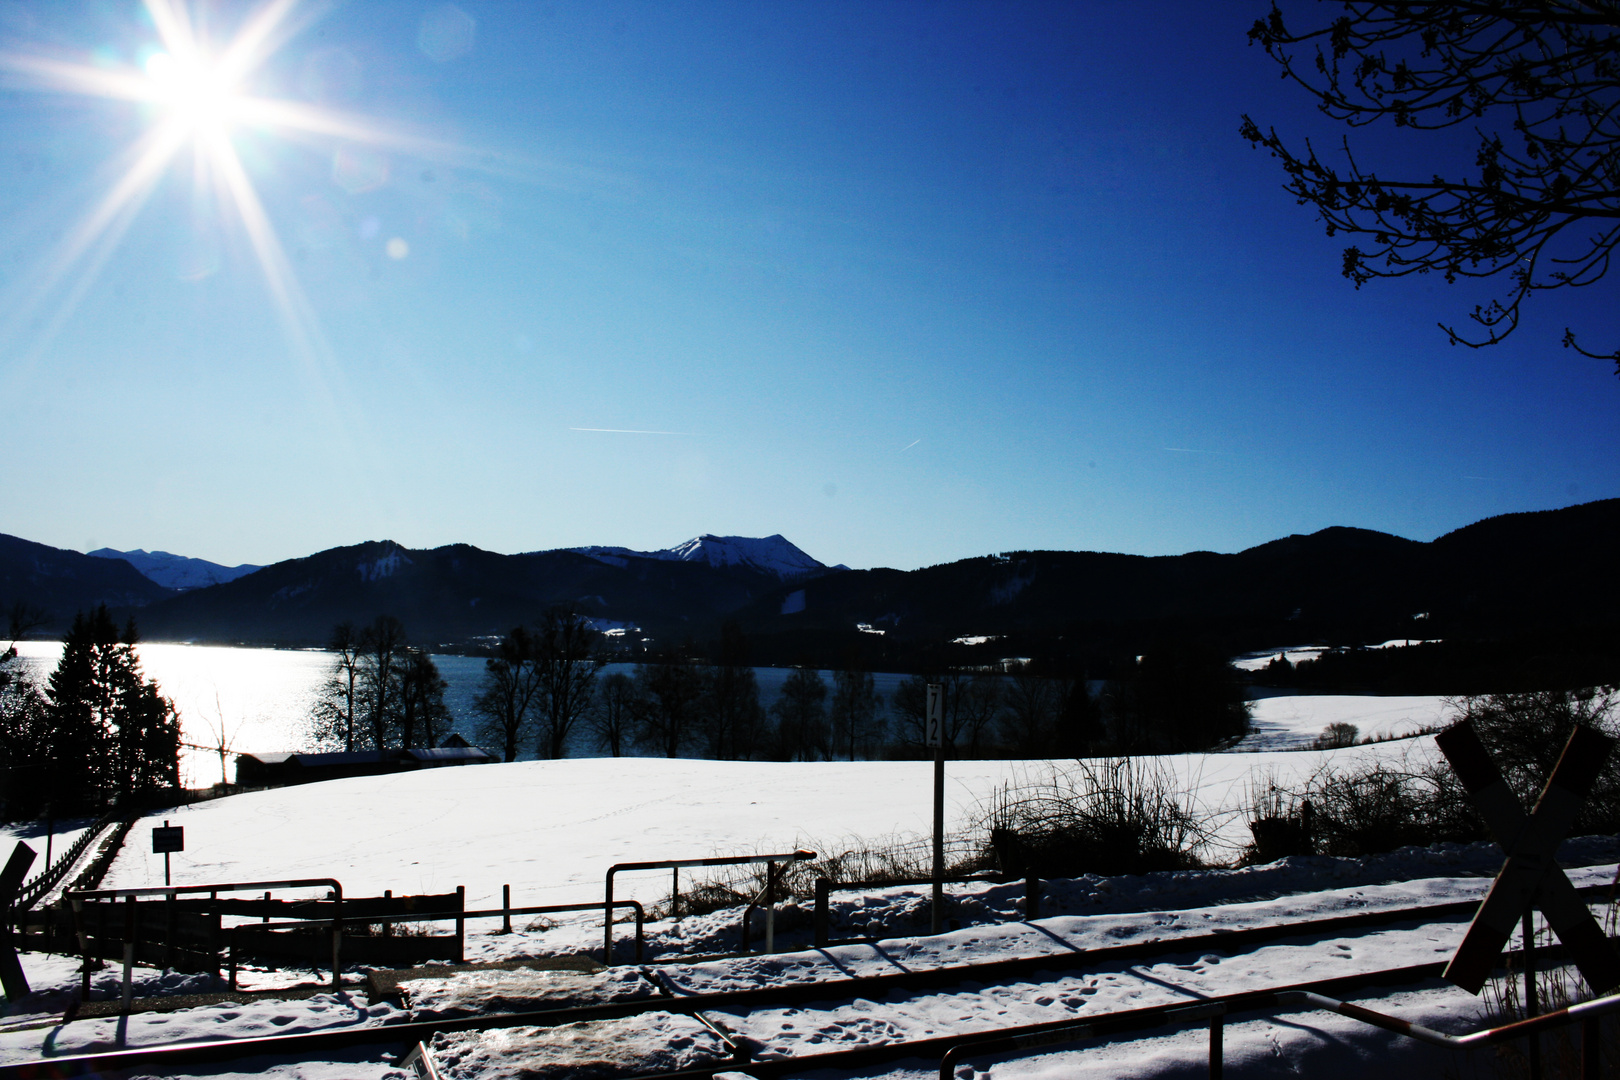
(1530, 877)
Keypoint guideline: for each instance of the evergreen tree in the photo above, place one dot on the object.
(112, 736)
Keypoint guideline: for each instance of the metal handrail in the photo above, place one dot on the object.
(676, 865)
(825, 887)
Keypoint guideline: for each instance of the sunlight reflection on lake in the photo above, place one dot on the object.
(265, 697)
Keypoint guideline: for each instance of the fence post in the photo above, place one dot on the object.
(675, 893)
(770, 907)
(823, 891)
(84, 946)
(1217, 1052)
(506, 909)
(129, 948)
(1591, 1050)
(388, 927)
(461, 924)
(1032, 898)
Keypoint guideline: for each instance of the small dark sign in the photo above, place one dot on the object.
(168, 838)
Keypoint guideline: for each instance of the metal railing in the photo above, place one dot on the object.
(825, 887)
(1216, 1010)
(676, 865)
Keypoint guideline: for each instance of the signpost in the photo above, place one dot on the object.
(165, 840)
(1530, 878)
(934, 732)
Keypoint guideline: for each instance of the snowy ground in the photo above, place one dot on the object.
(1094, 913)
(551, 829)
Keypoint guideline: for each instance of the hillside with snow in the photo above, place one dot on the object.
(177, 572)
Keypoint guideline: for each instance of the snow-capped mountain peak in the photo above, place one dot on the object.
(176, 571)
(775, 554)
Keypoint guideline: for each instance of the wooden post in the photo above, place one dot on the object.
(506, 909)
(675, 893)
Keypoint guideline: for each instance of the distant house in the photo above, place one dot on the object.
(281, 769)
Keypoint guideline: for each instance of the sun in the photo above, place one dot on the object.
(200, 96)
(194, 90)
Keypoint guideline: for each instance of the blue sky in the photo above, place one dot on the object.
(905, 283)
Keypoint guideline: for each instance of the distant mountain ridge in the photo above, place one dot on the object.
(1510, 574)
(178, 572)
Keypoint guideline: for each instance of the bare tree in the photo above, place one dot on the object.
(337, 710)
(1029, 720)
(1538, 83)
(801, 717)
(381, 649)
(733, 720)
(855, 703)
(566, 664)
(611, 719)
(669, 700)
(511, 681)
(422, 715)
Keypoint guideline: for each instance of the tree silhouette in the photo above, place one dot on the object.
(1539, 82)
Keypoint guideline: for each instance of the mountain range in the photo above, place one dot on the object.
(1517, 573)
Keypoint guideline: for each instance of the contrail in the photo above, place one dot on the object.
(1188, 450)
(909, 445)
(627, 431)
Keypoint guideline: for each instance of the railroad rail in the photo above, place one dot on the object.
(408, 1034)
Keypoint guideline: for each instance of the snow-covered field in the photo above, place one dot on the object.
(1293, 722)
(551, 829)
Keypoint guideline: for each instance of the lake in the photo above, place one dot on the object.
(261, 700)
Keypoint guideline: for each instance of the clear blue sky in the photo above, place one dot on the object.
(903, 282)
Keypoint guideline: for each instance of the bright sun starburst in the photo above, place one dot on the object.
(200, 101)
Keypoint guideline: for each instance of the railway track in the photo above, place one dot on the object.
(720, 1010)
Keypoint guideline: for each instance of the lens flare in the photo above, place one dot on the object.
(200, 99)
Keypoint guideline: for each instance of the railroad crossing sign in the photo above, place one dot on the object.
(11, 879)
(1530, 877)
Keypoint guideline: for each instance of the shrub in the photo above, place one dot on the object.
(1335, 736)
(1102, 816)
